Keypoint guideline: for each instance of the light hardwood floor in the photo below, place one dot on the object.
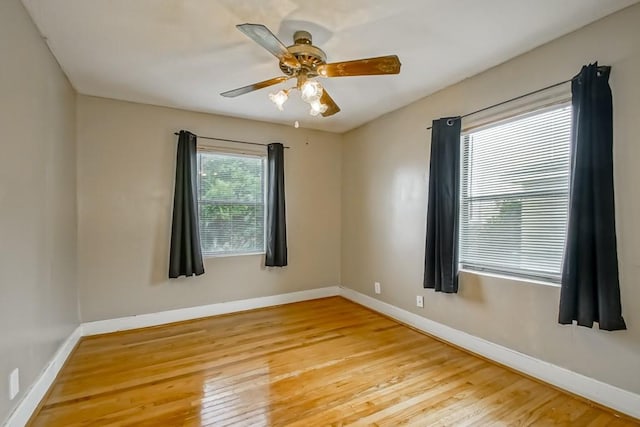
(315, 363)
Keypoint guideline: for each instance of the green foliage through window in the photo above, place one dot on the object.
(231, 203)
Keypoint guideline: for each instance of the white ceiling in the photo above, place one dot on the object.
(183, 53)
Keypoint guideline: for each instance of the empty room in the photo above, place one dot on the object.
(298, 213)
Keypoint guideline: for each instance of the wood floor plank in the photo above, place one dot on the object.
(315, 363)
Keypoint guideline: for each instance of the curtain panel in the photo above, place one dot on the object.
(185, 256)
(590, 290)
(441, 255)
(276, 255)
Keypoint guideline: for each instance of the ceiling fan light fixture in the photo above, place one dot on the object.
(304, 62)
(279, 98)
(310, 91)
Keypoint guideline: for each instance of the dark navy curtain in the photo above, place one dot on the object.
(590, 289)
(185, 256)
(276, 213)
(441, 255)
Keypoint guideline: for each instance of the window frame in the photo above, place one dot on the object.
(506, 116)
(231, 152)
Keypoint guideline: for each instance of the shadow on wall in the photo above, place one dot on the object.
(160, 264)
(471, 288)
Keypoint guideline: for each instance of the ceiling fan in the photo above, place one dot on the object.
(304, 62)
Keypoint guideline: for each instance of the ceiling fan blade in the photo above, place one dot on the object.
(361, 67)
(265, 38)
(332, 107)
(246, 89)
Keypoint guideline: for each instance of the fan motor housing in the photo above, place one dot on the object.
(308, 55)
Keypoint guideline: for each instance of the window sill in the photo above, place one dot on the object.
(505, 276)
(208, 256)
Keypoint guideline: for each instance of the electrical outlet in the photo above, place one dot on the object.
(14, 383)
(377, 288)
(420, 301)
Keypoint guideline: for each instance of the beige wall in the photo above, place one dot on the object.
(384, 199)
(126, 166)
(371, 190)
(38, 299)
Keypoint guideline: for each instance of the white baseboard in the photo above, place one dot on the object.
(594, 390)
(605, 394)
(29, 403)
(163, 317)
(31, 399)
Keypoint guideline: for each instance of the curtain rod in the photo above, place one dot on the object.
(512, 99)
(230, 140)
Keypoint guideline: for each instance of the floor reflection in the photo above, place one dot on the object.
(237, 399)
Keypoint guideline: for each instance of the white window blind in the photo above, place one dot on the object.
(514, 195)
(231, 202)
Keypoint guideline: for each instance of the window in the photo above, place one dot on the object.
(515, 195)
(231, 200)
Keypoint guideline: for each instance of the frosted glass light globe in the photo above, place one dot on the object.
(279, 99)
(310, 91)
(317, 108)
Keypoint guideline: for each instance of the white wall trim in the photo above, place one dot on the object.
(605, 394)
(31, 399)
(178, 315)
(610, 396)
